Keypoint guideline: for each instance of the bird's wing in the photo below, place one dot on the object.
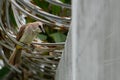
(20, 33)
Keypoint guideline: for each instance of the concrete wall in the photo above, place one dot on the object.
(92, 50)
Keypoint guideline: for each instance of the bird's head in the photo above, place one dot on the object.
(37, 27)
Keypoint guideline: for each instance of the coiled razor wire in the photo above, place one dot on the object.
(38, 63)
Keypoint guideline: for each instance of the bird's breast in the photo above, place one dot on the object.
(28, 37)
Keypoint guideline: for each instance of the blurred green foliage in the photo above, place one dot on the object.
(5, 70)
(58, 37)
(53, 35)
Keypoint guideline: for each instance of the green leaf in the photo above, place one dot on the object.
(42, 37)
(68, 1)
(12, 18)
(4, 71)
(56, 9)
(62, 0)
(42, 3)
(58, 37)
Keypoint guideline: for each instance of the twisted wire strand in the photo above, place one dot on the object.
(36, 60)
(6, 61)
(39, 10)
(59, 3)
(35, 17)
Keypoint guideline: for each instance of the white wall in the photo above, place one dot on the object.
(92, 50)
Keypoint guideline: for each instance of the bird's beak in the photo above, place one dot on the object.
(41, 28)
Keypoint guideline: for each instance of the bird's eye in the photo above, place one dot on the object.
(41, 28)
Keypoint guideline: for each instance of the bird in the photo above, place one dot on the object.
(26, 35)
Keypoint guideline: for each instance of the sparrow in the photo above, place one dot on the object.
(26, 35)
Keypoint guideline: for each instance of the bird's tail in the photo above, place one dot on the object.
(15, 57)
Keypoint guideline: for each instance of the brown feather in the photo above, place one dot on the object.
(15, 57)
(17, 52)
(20, 33)
(26, 34)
